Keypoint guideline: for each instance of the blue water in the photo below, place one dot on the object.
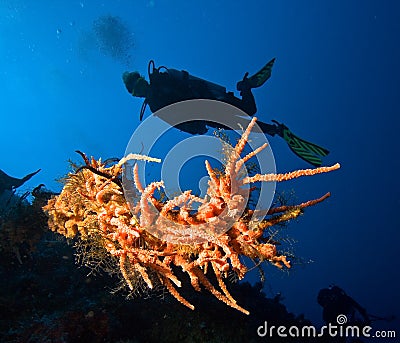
(335, 82)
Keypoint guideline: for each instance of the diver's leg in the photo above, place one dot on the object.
(269, 129)
(246, 103)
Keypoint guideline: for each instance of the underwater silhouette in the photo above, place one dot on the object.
(11, 183)
(168, 86)
(340, 308)
(335, 301)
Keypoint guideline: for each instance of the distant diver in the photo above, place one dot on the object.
(171, 86)
(11, 183)
(335, 302)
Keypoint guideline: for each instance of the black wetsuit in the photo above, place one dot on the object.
(173, 86)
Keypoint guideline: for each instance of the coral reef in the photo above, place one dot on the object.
(68, 306)
(22, 223)
(126, 237)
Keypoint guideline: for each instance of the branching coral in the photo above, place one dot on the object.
(92, 206)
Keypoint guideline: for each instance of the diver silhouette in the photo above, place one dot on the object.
(335, 302)
(168, 86)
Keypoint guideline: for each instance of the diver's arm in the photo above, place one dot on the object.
(360, 310)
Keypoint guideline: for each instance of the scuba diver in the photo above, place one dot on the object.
(335, 301)
(170, 86)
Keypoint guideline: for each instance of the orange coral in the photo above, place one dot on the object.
(150, 238)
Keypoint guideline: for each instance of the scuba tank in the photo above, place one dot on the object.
(197, 87)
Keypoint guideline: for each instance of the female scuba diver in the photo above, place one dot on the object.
(171, 86)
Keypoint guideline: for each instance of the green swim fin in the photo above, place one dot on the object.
(307, 151)
(258, 79)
